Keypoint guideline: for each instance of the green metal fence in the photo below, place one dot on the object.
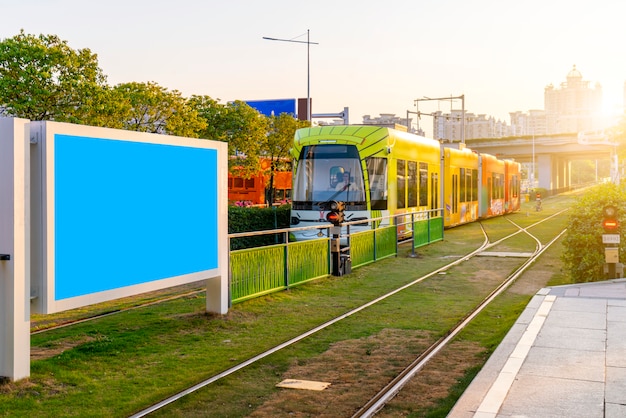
(261, 270)
(427, 230)
(369, 246)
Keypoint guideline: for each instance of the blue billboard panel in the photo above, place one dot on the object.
(138, 211)
(274, 107)
(120, 213)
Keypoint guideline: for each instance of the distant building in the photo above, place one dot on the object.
(531, 123)
(448, 126)
(574, 106)
(390, 120)
(384, 119)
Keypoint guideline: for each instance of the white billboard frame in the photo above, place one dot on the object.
(66, 159)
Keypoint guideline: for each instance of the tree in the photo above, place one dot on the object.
(155, 109)
(583, 253)
(214, 114)
(42, 78)
(279, 141)
(243, 127)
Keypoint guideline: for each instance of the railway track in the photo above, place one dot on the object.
(117, 311)
(394, 386)
(377, 402)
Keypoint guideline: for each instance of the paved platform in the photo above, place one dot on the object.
(564, 357)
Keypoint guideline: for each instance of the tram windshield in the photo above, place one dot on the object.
(329, 172)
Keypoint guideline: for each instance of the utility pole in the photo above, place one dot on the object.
(308, 67)
(451, 98)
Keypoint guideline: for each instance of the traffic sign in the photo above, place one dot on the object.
(610, 238)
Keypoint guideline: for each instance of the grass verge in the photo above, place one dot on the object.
(119, 364)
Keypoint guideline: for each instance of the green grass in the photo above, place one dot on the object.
(116, 365)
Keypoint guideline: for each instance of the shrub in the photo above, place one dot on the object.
(583, 254)
(248, 219)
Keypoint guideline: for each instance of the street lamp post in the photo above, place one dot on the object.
(308, 67)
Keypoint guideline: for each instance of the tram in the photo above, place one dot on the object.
(380, 172)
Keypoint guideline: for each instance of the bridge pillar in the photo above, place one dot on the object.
(554, 172)
(567, 173)
(545, 171)
(563, 179)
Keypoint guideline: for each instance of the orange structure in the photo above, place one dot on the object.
(253, 190)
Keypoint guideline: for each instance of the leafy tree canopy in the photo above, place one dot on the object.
(279, 140)
(42, 78)
(154, 109)
(242, 126)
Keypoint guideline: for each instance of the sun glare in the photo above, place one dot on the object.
(612, 107)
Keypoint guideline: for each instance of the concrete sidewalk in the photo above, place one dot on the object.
(564, 357)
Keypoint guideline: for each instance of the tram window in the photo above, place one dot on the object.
(412, 165)
(401, 184)
(474, 185)
(498, 184)
(434, 180)
(514, 186)
(249, 183)
(462, 189)
(377, 176)
(238, 183)
(455, 188)
(423, 184)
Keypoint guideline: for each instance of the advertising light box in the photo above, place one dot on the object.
(122, 213)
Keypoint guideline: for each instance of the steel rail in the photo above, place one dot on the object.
(300, 337)
(117, 311)
(377, 402)
(485, 244)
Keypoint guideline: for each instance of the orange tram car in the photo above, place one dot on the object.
(390, 172)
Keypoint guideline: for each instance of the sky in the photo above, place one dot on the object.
(372, 57)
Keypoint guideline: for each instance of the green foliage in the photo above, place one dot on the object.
(278, 142)
(155, 109)
(257, 219)
(583, 254)
(42, 78)
(243, 127)
(586, 171)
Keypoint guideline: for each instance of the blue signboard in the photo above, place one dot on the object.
(274, 107)
(123, 213)
(137, 211)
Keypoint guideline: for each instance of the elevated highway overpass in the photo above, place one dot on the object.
(553, 154)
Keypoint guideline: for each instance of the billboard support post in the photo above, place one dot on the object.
(15, 249)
